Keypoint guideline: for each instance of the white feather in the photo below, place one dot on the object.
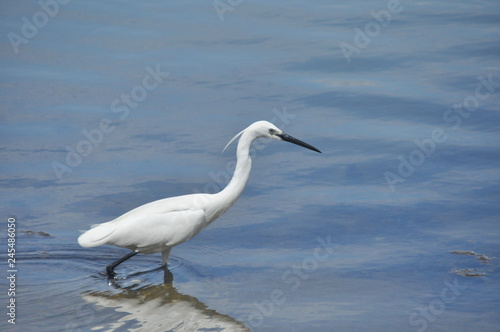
(232, 140)
(162, 224)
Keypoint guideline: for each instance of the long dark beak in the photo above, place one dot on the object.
(293, 140)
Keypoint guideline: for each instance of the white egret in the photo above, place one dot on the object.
(160, 225)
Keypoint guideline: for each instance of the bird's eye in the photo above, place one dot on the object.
(272, 131)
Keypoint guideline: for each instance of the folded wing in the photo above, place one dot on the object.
(146, 232)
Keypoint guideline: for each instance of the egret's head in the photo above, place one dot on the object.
(267, 129)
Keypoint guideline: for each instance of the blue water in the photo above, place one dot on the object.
(108, 105)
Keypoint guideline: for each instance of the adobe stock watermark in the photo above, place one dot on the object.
(121, 108)
(421, 317)
(30, 27)
(453, 117)
(292, 278)
(363, 37)
(221, 7)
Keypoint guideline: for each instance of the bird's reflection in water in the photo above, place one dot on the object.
(159, 308)
(168, 277)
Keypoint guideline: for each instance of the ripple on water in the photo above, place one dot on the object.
(66, 285)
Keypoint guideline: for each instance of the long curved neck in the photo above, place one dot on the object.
(241, 172)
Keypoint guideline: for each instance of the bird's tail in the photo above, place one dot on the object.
(99, 234)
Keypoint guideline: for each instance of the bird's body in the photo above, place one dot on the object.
(157, 226)
(160, 225)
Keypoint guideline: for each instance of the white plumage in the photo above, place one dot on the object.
(160, 225)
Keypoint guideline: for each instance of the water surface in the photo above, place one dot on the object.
(109, 105)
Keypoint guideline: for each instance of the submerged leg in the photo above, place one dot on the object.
(164, 255)
(168, 277)
(111, 267)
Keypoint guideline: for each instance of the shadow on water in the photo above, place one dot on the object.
(156, 307)
(143, 297)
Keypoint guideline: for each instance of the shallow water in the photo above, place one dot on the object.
(363, 237)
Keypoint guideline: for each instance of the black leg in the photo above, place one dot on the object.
(168, 277)
(110, 269)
